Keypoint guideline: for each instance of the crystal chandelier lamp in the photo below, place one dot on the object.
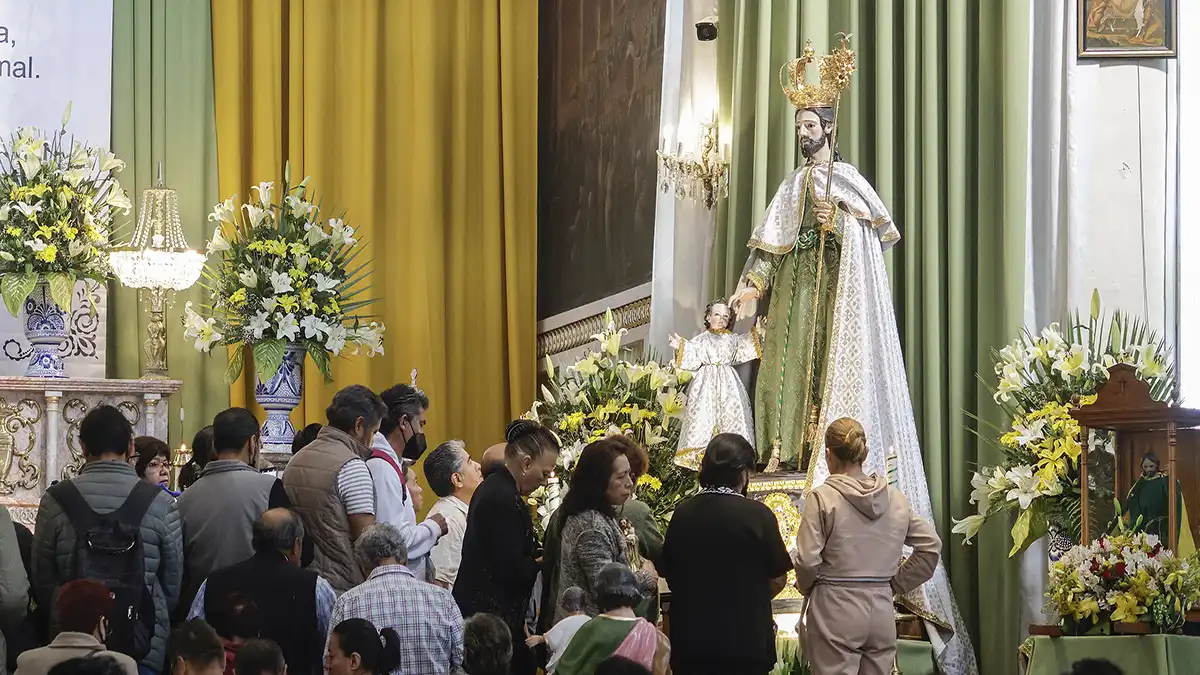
(703, 176)
(157, 261)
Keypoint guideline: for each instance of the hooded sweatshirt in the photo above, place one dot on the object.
(854, 530)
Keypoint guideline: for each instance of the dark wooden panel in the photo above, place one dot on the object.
(600, 81)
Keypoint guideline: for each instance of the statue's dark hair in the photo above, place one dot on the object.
(708, 310)
(825, 114)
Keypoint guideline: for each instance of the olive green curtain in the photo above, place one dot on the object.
(162, 111)
(936, 119)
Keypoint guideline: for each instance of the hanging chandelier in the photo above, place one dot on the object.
(156, 261)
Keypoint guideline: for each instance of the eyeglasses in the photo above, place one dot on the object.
(156, 464)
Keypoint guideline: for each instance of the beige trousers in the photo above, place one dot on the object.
(850, 629)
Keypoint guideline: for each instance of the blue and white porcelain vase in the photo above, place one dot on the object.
(46, 329)
(279, 396)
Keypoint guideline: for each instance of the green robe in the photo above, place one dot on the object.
(598, 639)
(1147, 501)
(783, 373)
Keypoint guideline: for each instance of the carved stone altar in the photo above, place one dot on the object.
(39, 429)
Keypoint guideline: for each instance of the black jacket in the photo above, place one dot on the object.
(499, 551)
(286, 599)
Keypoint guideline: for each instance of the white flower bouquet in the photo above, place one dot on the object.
(1042, 377)
(58, 200)
(282, 275)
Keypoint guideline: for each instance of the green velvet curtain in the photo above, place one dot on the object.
(936, 119)
(162, 111)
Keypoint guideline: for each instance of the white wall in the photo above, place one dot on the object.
(1101, 195)
(683, 229)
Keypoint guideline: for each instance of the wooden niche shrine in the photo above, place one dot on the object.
(1154, 442)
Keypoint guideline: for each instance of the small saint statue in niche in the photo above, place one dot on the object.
(717, 399)
(1145, 507)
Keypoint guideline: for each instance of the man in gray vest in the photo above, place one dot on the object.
(219, 509)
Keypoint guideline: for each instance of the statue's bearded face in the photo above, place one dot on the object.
(812, 133)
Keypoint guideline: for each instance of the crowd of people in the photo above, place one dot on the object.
(326, 566)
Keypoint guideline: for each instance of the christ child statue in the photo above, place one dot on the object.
(717, 399)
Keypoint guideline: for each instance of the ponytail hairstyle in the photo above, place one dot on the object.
(847, 440)
(378, 651)
(526, 438)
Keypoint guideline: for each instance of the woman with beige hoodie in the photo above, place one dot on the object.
(848, 560)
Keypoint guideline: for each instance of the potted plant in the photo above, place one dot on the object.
(286, 283)
(58, 199)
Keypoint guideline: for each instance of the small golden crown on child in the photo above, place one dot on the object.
(835, 69)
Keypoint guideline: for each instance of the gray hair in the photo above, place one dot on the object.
(378, 543)
(270, 533)
(446, 460)
(572, 600)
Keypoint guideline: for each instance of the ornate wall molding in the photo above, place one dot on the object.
(567, 336)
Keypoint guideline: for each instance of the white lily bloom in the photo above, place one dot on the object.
(343, 234)
(968, 527)
(269, 304)
(1025, 485)
(281, 283)
(264, 192)
(302, 262)
(109, 161)
(28, 210)
(1073, 362)
(256, 215)
(313, 327)
(31, 165)
(249, 278)
(202, 330)
(36, 244)
(259, 323)
(370, 337)
(119, 200)
(314, 233)
(982, 493)
(225, 212)
(218, 243)
(1011, 380)
(335, 342)
(325, 284)
(287, 329)
(298, 207)
(1030, 434)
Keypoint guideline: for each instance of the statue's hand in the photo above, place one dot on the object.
(674, 340)
(824, 212)
(744, 301)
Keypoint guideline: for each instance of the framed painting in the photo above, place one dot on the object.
(1127, 28)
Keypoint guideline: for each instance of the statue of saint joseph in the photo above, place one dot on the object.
(830, 347)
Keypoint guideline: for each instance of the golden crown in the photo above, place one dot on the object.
(835, 69)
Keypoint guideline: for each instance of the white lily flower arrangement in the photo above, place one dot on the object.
(1041, 377)
(279, 274)
(58, 201)
(608, 392)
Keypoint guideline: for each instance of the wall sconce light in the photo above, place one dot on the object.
(702, 177)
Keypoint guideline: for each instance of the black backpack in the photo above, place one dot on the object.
(108, 549)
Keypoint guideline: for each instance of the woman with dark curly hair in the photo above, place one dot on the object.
(152, 461)
(592, 536)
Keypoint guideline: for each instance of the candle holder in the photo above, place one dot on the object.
(179, 459)
(702, 177)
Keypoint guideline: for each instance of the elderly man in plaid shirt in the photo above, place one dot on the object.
(426, 616)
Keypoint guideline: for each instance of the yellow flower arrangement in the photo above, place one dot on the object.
(605, 393)
(1125, 577)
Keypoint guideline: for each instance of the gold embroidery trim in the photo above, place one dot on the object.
(758, 349)
(679, 353)
(689, 458)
